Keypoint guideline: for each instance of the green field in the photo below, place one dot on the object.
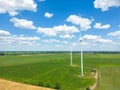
(49, 70)
(109, 78)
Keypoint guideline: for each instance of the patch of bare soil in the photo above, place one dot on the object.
(96, 80)
(10, 85)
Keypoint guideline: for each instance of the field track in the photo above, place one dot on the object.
(10, 85)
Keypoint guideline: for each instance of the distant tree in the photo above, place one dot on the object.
(48, 85)
(57, 86)
(40, 83)
(2, 54)
(88, 88)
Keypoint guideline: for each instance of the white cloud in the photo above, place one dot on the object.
(18, 40)
(105, 4)
(95, 39)
(51, 40)
(77, 20)
(21, 38)
(14, 6)
(65, 29)
(55, 41)
(7, 39)
(115, 34)
(64, 42)
(46, 31)
(23, 23)
(97, 43)
(61, 29)
(104, 41)
(91, 37)
(4, 33)
(100, 26)
(67, 36)
(75, 44)
(48, 15)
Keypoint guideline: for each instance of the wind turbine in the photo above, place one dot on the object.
(71, 61)
(81, 55)
(84, 24)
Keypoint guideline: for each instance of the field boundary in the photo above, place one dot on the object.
(96, 81)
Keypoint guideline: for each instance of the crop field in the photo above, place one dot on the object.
(109, 78)
(54, 70)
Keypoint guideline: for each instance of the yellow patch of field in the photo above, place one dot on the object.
(10, 85)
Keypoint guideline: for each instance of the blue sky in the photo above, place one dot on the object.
(52, 25)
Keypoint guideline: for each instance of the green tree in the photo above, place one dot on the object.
(40, 83)
(57, 86)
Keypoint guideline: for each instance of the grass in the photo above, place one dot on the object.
(47, 70)
(109, 78)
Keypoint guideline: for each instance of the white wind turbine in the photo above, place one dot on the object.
(84, 24)
(81, 55)
(71, 61)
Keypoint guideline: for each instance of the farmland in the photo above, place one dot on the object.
(51, 70)
(109, 78)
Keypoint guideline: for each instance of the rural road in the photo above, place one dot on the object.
(10, 85)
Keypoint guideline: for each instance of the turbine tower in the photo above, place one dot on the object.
(71, 55)
(81, 56)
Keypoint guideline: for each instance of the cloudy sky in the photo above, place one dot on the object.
(55, 25)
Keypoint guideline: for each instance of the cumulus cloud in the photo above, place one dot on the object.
(55, 41)
(61, 29)
(30, 40)
(67, 36)
(91, 37)
(46, 31)
(51, 40)
(21, 38)
(64, 42)
(77, 20)
(75, 44)
(115, 34)
(14, 6)
(48, 15)
(22, 23)
(105, 4)
(4, 33)
(18, 40)
(100, 26)
(101, 40)
(96, 39)
(8, 39)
